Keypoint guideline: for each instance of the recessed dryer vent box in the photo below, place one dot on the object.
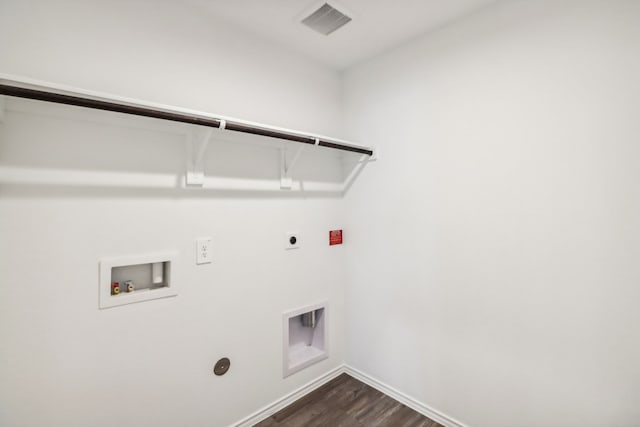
(125, 280)
(305, 337)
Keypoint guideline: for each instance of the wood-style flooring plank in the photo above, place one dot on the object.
(347, 402)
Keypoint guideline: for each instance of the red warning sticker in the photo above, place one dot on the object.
(335, 237)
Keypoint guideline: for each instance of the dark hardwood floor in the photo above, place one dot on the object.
(347, 402)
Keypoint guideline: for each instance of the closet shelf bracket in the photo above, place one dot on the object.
(286, 182)
(197, 144)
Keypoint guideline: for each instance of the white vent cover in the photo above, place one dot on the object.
(326, 19)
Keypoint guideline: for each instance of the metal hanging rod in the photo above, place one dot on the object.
(137, 110)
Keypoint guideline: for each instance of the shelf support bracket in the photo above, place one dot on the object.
(286, 182)
(197, 144)
(357, 169)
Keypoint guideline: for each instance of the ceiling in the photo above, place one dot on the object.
(378, 25)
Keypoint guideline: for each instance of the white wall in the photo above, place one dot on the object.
(491, 250)
(63, 362)
(493, 270)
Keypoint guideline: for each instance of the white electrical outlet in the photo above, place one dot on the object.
(292, 240)
(203, 250)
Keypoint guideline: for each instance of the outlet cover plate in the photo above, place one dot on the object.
(203, 250)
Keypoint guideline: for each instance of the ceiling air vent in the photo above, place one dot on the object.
(326, 19)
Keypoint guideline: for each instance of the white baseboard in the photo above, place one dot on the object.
(409, 401)
(285, 401)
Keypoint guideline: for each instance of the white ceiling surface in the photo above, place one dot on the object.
(377, 25)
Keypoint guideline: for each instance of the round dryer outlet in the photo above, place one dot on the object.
(292, 240)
